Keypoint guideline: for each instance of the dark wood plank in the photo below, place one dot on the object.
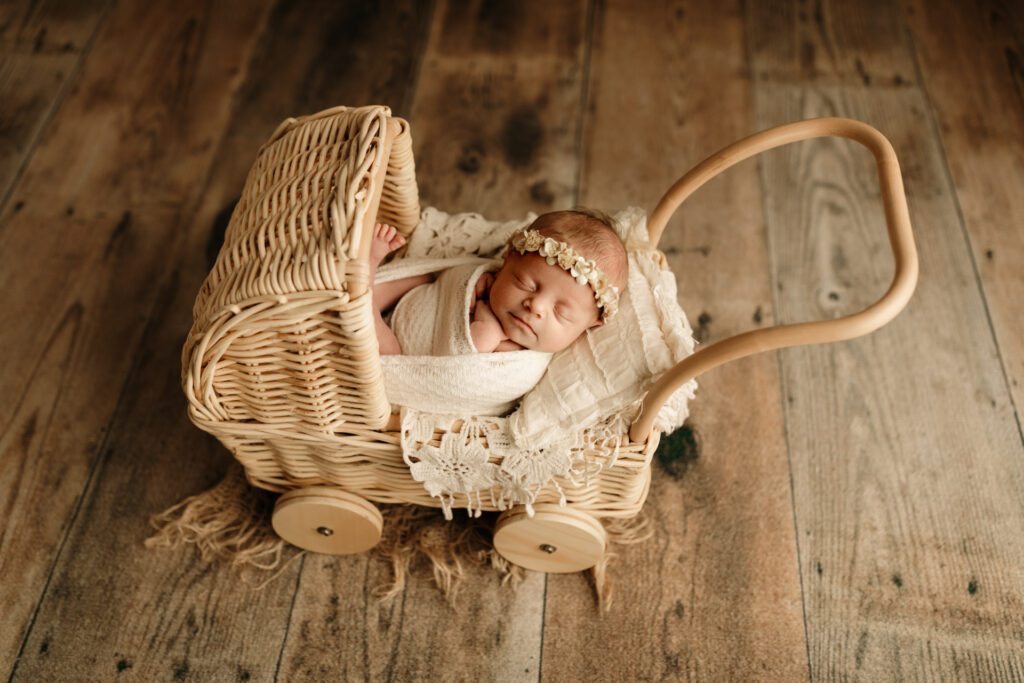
(216, 629)
(41, 48)
(498, 108)
(339, 631)
(115, 609)
(972, 67)
(715, 593)
(85, 238)
(854, 43)
(906, 458)
(495, 114)
(47, 25)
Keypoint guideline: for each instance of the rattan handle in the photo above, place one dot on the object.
(870, 319)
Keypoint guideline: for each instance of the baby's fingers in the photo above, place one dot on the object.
(484, 283)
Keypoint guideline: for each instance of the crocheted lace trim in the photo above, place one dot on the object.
(481, 458)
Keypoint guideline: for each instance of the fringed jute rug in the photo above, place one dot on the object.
(231, 522)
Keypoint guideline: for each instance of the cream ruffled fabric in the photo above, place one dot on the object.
(439, 368)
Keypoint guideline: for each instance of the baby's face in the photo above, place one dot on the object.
(541, 307)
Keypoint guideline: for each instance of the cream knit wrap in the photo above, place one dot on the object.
(433, 319)
(440, 369)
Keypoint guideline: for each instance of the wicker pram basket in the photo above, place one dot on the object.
(281, 363)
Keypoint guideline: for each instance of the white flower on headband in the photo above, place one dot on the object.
(583, 270)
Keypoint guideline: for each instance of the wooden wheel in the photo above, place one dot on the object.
(327, 520)
(556, 540)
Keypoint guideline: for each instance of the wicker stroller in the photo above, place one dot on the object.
(281, 363)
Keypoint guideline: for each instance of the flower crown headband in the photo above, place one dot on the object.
(584, 270)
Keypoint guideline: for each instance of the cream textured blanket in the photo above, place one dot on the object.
(440, 369)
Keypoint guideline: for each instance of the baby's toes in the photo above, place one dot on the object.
(397, 241)
(379, 230)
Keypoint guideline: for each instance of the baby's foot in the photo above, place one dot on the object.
(385, 240)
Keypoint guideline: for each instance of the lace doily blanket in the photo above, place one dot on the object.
(480, 458)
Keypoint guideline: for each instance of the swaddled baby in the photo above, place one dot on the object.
(560, 276)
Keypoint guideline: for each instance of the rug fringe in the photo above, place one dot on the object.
(232, 521)
(620, 532)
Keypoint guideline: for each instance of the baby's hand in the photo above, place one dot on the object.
(485, 330)
(483, 314)
(483, 285)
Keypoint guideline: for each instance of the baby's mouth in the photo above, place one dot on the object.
(522, 323)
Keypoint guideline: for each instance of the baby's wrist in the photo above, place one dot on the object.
(485, 335)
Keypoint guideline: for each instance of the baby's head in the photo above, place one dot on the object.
(538, 299)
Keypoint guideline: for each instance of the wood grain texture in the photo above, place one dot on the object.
(339, 630)
(115, 609)
(854, 43)
(47, 25)
(713, 595)
(850, 511)
(218, 628)
(904, 453)
(85, 238)
(495, 112)
(41, 49)
(906, 462)
(972, 67)
(498, 107)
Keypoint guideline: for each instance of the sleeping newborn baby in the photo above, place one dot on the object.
(560, 276)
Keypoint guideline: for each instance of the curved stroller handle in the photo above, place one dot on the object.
(901, 240)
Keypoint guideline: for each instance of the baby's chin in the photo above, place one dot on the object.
(521, 338)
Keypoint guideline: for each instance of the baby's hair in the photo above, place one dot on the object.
(593, 235)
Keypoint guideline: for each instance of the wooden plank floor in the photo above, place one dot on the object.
(852, 511)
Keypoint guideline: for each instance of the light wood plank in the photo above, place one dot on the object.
(972, 67)
(84, 241)
(906, 459)
(715, 593)
(494, 127)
